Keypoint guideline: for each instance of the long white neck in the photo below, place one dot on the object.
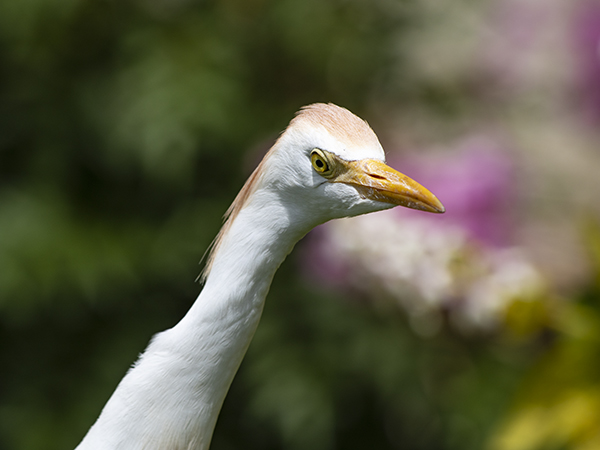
(172, 396)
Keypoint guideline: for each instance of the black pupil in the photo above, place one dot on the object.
(319, 163)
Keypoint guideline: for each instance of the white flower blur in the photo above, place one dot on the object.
(430, 270)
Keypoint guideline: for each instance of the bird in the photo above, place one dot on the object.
(327, 164)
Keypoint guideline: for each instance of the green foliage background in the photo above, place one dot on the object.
(125, 130)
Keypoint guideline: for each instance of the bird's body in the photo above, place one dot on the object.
(327, 164)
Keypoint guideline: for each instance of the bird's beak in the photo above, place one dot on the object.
(377, 181)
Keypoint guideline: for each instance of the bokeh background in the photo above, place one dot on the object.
(127, 127)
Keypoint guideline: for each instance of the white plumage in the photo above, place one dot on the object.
(327, 164)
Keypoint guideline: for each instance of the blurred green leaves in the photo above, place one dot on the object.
(558, 404)
(174, 90)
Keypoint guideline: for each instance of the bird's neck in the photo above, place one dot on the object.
(222, 321)
(172, 396)
(250, 253)
(224, 318)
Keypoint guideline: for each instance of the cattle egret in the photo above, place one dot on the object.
(327, 164)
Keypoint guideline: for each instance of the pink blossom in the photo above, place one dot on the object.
(475, 183)
(586, 31)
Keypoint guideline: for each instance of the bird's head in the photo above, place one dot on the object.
(327, 164)
(330, 164)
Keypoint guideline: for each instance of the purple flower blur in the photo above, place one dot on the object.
(476, 185)
(586, 29)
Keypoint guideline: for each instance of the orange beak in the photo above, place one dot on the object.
(376, 180)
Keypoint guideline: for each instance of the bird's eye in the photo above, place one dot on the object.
(319, 162)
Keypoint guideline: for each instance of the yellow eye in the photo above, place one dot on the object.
(319, 162)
